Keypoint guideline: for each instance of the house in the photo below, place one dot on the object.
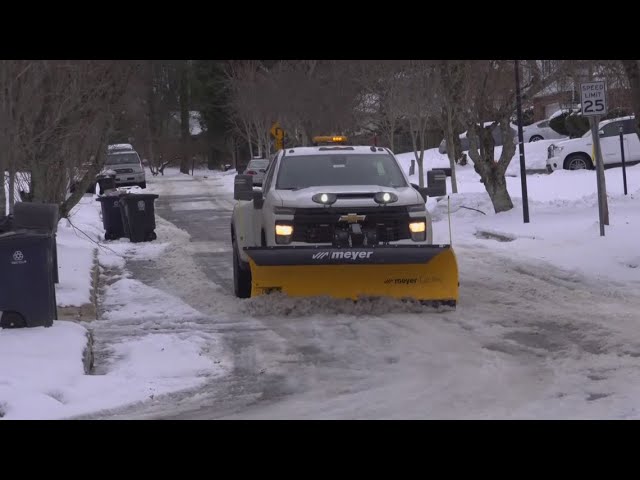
(566, 94)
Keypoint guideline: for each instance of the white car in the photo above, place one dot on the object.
(540, 131)
(576, 153)
(333, 196)
(125, 161)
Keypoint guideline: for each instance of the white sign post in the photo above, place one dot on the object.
(593, 101)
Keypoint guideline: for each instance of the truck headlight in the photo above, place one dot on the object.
(418, 231)
(284, 233)
(325, 198)
(385, 197)
(553, 150)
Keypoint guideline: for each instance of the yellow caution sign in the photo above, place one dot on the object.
(278, 133)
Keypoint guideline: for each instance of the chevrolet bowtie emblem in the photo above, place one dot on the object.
(352, 218)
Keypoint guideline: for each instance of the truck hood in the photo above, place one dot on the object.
(574, 141)
(302, 198)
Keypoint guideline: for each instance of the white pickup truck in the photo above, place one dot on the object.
(350, 197)
(576, 153)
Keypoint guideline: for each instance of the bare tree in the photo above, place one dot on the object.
(632, 70)
(61, 114)
(489, 97)
(315, 97)
(185, 130)
(449, 86)
(420, 103)
(382, 83)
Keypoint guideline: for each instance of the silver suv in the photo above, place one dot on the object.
(125, 161)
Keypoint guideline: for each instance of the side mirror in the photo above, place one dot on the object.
(243, 187)
(600, 132)
(422, 191)
(258, 199)
(436, 183)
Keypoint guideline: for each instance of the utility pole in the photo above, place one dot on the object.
(523, 168)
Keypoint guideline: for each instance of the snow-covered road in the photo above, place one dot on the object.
(528, 340)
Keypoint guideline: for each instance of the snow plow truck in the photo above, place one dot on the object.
(342, 221)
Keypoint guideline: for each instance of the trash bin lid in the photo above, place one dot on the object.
(37, 216)
(140, 196)
(23, 236)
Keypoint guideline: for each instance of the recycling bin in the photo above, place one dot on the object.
(28, 294)
(112, 221)
(6, 224)
(39, 217)
(138, 216)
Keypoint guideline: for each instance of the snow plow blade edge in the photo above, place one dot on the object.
(426, 273)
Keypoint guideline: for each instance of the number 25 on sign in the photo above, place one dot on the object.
(593, 98)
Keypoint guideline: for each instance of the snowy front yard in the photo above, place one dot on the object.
(41, 369)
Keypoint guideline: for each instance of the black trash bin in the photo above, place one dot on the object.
(6, 224)
(28, 294)
(42, 218)
(138, 215)
(106, 181)
(112, 220)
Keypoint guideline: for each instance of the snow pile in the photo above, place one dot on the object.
(535, 154)
(38, 366)
(564, 223)
(141, 345)
(77, 240)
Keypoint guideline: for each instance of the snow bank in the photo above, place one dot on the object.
(564, 223)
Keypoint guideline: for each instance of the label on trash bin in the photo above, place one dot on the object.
(18, 258)
(141, 205)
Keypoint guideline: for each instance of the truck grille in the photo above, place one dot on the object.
(124, 170)
(318, 225)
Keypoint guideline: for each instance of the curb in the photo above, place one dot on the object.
(89, 311)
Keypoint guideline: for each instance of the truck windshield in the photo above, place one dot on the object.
(302, 171)
(122, 159)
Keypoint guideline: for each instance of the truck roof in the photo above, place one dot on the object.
(335, 150)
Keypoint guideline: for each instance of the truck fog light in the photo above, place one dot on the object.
(418, 231)
(284, 233)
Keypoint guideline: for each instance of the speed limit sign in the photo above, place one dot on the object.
(593, 98)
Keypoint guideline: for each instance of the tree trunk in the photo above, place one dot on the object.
(391, 135)
(632, 69)
(3, 198)
(496, 185)
(492, 174)
(419, 157)
(154, 163)
(451, 151)
(308, 133)
(184, 117)
(249, 141)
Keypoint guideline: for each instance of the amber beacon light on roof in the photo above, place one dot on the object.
(329, 140)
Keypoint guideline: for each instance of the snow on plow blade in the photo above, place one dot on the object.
(428, 273)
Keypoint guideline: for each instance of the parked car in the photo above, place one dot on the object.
(540, 131)
(576, 153)
(125, 161)
(464, 141)
(257, 168)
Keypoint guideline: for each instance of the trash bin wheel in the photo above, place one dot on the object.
(12, 320)
(110, 236)
(151, 236)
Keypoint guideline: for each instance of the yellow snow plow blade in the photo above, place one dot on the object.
(427, 273)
